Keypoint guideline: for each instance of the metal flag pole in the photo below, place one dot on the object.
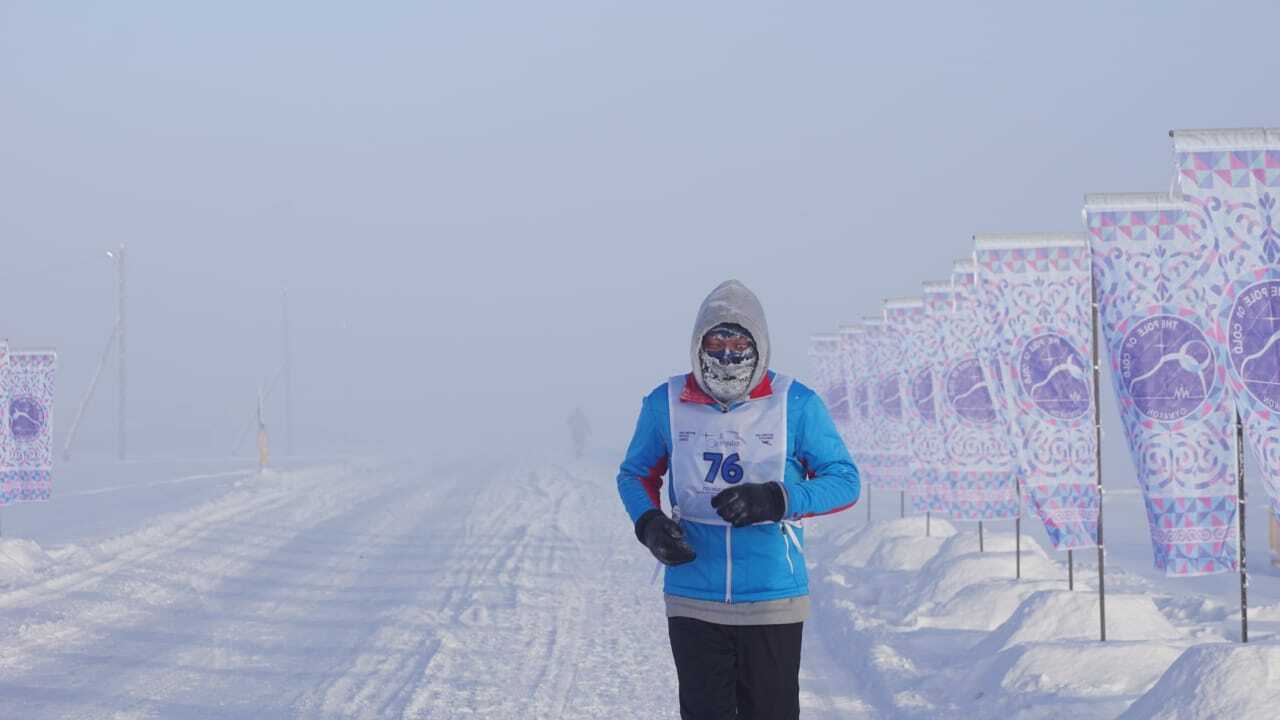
(928, 519)
(122, 446)
(1097, 451)
(1244, 573)
(981, 545)
(1071, 570)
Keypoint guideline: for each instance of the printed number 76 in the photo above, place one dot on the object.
(727, 467)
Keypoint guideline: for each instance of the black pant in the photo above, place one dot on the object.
(736, 672)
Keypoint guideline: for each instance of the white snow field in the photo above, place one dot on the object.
(510, 590)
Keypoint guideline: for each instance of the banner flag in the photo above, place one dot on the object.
(828, 381)
(1231, 181)
(26, 473)
(920, 416)
(982, 475)
(939, 300)
(1036, 296)
(852, 346)
(1169, 374)
(887, 432)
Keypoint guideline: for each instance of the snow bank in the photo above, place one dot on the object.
(945, 575)
(983, 605)
(1061, 615)
(1083, 669)
(861, 545)
(1216, 681)
(21, 558)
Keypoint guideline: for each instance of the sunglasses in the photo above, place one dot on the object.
(727, 342)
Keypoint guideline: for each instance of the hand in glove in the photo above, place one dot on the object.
(664, 538)
(749, 504)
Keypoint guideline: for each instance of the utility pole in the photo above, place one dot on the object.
(288, 375)
(122, 447)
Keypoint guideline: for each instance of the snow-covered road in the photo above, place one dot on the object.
(458, 592)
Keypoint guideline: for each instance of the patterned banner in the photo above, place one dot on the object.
(1231, 182)
(982, 474)
(939, 299)
(1169, 372)
(920, 416)
(887, 440)
(828, 381)
(1035, 296)
(852, 345)
(26, 473)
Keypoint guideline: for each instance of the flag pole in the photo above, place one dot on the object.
(981, 547)
(1097, 449)
(1244, 573)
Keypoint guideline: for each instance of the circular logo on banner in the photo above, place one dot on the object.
(1167, 367)
(890, 396)
(1053, 376)
(1253, 334)
(26, 418)
(922, 394)
(968, 393)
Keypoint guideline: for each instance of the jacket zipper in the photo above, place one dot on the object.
(728, 563)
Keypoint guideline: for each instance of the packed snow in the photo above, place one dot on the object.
(366, 589)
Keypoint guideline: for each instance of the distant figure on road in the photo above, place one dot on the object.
(750, 452)
(579, 432)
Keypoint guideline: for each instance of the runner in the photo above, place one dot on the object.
(754, 451)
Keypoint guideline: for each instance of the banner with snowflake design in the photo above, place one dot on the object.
(1168, 369)
(984, 486)
(1034, 291)
(920, 414)
(1230, 180)
(887, 442)
(26, 470)
(852, 346)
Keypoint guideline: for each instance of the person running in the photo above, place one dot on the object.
(750, 452)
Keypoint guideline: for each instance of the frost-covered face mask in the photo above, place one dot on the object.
(728, 358)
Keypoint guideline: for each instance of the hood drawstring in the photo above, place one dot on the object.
(789, 538)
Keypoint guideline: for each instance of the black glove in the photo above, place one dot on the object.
(749, 504)
(664, 538)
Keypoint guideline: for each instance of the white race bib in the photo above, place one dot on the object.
(712, 450)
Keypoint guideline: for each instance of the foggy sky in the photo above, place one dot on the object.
(489, 213)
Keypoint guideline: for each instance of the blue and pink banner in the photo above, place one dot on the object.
(977, 472)
(26, 462)
(1035, 294)
(1168, 368)
(920, 413)
(887, 448)
(1230, 180)
(852, 346)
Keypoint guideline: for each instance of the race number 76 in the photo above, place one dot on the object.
(727, 468)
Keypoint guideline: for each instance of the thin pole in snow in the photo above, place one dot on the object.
(288, 374)
(122, 448)
(1097, 451)
(1071, 570)
(928, 518)
(981, 547)
(1244, 573)
(1017, 542)
(902, 503)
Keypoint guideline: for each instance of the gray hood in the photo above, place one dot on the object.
(731, 302)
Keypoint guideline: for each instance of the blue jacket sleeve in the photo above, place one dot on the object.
(640, 476)
(833, 483)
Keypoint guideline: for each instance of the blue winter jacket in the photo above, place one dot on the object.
(756, 562)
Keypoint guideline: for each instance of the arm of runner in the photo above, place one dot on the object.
(833, 483)
(640, 476)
